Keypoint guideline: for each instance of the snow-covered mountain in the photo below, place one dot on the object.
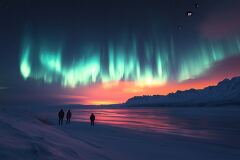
(225, 92)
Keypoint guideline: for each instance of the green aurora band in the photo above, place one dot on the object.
(204, 57)
(152, 63)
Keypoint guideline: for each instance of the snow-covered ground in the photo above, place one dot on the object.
(32, 133)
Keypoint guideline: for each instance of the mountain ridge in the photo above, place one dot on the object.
(226, 92)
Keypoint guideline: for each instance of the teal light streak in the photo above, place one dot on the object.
(150, 64)
(52, 61)
(83, 72)
(203, 58)
(25, 66)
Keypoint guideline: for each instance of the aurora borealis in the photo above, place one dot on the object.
(115, 63)
(101, 53)
(122, 63)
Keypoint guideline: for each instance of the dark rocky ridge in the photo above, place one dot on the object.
(226, 92)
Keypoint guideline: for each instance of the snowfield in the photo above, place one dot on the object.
(31, 134)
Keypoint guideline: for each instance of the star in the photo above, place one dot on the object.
(189, 13)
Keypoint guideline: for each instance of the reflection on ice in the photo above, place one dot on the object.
(149, 120)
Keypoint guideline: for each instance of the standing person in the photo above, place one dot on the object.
(92, 119)
(69, 115)
(60, 116)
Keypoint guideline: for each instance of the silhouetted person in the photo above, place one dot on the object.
(60, 116)
(69, 115)
(92, 119)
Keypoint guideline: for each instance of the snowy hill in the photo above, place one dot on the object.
(225, 92)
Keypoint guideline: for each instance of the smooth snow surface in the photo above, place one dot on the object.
(121, 134)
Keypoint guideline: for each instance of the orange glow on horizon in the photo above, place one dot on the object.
(120, 91)
(99, 94)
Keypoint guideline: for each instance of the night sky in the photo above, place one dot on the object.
(104, 52)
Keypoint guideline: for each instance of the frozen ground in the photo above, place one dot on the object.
(32, 133)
